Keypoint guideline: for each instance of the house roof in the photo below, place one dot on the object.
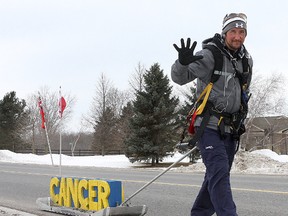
(277, 124)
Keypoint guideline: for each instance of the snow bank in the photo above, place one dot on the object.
(272, 155)
(257, 162)
(262, 161)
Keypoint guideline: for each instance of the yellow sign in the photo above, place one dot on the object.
(86, 194)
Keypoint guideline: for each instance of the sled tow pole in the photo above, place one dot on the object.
(158, 176)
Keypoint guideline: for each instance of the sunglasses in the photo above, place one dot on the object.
(234, 15)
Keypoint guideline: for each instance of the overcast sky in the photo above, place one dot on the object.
(70, 43)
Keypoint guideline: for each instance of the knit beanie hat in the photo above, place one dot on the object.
(234, 20)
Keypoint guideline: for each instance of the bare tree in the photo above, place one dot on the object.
(137, 80)
(107, 96)
(104, 113)
(118, 99)
(100, 100)
(266, 100)
(50, 103)
(266, 96)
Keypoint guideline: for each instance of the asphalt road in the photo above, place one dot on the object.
(171, 195)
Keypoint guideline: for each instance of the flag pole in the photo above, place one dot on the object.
(60, 152)
(62, 105)
(44, 125)
(60, 141)
(46, 132)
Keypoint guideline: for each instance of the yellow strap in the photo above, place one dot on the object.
(205, 92)
(220, 120)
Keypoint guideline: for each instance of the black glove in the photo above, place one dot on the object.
(185, 54)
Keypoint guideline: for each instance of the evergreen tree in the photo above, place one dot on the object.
(13, 120)
(152, 134)
(182, 124)
(190, 99)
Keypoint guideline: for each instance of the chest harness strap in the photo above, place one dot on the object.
(202, 107)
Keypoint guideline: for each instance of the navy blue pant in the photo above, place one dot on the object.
(215, 194)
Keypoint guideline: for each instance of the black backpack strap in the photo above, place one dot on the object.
(218, 58)
(247, 70)
(245, 64)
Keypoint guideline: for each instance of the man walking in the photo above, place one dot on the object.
(224, 62)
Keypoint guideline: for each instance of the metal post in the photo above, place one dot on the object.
(46, 132)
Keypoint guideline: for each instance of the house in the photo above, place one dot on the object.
(266, 133)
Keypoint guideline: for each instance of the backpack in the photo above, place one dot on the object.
(203, 108)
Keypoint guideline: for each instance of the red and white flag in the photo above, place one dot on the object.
(62, 106)
(41, 113)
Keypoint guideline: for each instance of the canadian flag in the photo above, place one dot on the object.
(41, 113)
(62, 106)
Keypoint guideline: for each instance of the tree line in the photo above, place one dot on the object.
(145, 122)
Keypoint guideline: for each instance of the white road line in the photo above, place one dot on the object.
(12, 212)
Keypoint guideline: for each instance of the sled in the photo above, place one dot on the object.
(46, 204)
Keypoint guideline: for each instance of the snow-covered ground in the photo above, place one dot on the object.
(260, 161)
